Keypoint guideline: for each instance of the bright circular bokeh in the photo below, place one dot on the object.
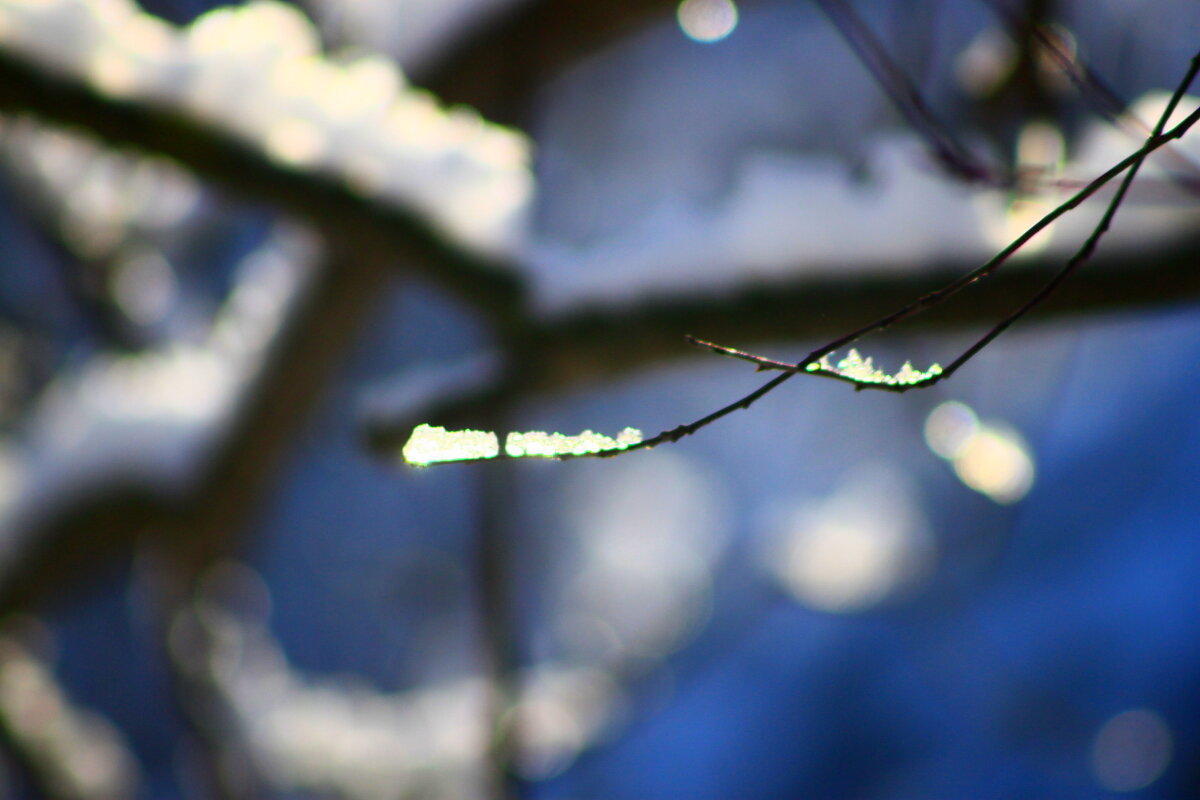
(1132, 750)
(707, 20)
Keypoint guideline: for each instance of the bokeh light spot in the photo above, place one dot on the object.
(996, 462)
(1041, 154)
(949, 427)
(650, 531)
(987, 62)
(991, 457)
(855, 548)
(707, 20)
(1131, 751)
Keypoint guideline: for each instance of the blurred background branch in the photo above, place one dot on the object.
(585, 348)
(374, 231)
(67, 751)
(499, 68)
(573, 591)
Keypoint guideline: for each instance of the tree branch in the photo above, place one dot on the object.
(206, 519)
(499, 68)
(954, 156)
(366, 228)
(815, 361)
(591, 346)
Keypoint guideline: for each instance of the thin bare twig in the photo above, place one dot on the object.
(1089, 245)
(905, 95)
(1091, 86)
(1086, 81)
(909, 378)
(680, 431)
(945, 293)
(573, 350)
(1130, 165)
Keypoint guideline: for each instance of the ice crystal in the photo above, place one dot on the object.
(552, 445)
(863, 370)
(430, 444)
(433, 445)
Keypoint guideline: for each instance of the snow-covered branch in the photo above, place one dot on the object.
(245, 99)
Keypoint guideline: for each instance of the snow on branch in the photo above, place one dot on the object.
(430, 444)
(342, 143)
(863, 374)
(257, 72)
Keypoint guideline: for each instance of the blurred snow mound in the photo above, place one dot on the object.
(150, 420)
(788, 215)
(257, 71)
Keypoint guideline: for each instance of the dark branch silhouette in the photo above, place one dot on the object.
(816, 362)
(1129, 165)
(952, 154)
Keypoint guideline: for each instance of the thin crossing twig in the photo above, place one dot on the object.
(1102, 227)
(1091, 86)
(1129, 165)
(905, 95)
(814, 363)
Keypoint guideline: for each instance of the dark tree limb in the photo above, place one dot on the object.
(207, 520)
(958, 160)
(588, 347)
(367, 228)
(498, 68)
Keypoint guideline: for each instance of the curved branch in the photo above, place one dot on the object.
(586, 348)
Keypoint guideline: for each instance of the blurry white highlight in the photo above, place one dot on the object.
(549, 445)
(639, 583)
(346, 738)
(430, 444)
(991, 458)
(80, 752)
(154, 415)
(855, 548)
(560, 712)
(986, 62)
(1041, 157)
(10, 475)
(949, 427)
(1131, 751)
(707, 20)
(257, 71)
(102, 194)
(144, 287)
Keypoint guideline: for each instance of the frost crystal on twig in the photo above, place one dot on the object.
(553, 445)
(857, 369)
(430, 444)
